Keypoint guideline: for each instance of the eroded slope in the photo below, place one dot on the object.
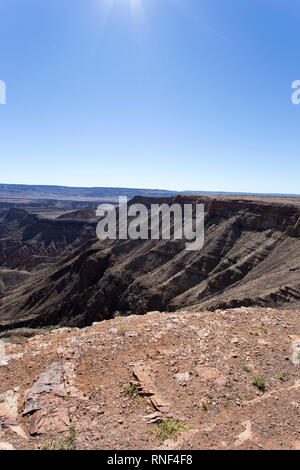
(251, 256)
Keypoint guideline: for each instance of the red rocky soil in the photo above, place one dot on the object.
(195, 367)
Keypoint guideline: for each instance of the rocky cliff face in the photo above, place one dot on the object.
(29, 241)
(251, 256)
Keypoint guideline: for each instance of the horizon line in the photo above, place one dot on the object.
(187, 191)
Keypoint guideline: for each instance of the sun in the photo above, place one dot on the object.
(132, 3)
(136, 8)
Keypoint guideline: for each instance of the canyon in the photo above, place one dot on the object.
(55, 272)
(141, 344)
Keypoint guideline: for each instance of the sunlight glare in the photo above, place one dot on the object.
(136, 8)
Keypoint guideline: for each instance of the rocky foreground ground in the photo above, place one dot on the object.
(227, 379)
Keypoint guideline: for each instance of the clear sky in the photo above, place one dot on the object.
(174, 94)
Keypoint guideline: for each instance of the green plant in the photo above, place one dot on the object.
(168, 429)
(298, 357)
(49, 445)
(204, 405)
(281, 377)
(260, 383)
(67, 443)
(130, 390)
(246, 368)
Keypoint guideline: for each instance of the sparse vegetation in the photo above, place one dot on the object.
(204, 405)
(298, 357)
(260, 383)
(130, 390)
(282, 378)
(66, 443)
(49, 445)
(255, 333)
(169, 428)
(69, 443)
(246, 368)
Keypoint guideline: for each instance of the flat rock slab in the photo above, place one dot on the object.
(9, 413)
(6, 446)
(53, 416)
(3, 360)
(9, 404)
(45, 401)
(143, 374)
(182, 376)
(245, 435)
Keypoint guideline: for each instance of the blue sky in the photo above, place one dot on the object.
(174, 94)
